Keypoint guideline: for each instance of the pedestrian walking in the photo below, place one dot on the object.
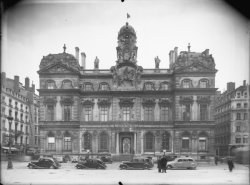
(164, 164)
(159, 164)
(230, 164)
(216, 160)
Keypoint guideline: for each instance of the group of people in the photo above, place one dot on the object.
(162, 164)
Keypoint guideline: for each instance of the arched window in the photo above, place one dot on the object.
(164, 86)
(103, 142)
(51, 141)
(87, 141)
(67, 84)
(50, 84)
(203, 83)
(104, 86)
(186, 83)
(149, 142)
(88, 87)
(148, 86)
(67, 141)
(165, 141)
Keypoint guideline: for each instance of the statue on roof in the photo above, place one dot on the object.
(157, 62)
(96, 63)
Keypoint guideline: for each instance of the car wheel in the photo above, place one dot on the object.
(169, 166)
(30, 167)
(123, 167)
(52, 167)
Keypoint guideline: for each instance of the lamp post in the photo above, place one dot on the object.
(10, 165)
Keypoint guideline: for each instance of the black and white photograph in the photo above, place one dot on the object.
(124, 92)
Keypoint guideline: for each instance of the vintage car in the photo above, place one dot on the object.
(91, 163)
(44, 162)
(182, 163)
(139, 163)
(106, 159)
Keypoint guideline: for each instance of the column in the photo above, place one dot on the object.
(117, 143)
(80, 142)
(142, 142)
(135, 143)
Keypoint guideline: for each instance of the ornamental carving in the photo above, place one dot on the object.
(165, 102)
(203, 99)
(186, 99)
(126, 102)
(87, 102)
(148, 102)
(104, 102)
(49, 100)
(67, 100)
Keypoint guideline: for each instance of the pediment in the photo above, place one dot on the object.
(195, 67)
(57, 68)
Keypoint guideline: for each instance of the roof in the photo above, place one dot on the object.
(127, 29)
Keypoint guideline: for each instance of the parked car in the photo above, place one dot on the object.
(44, 162)
(182, 163)
(106, 159)
(141, 163)
(91, 163)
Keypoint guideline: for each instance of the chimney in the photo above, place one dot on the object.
(171, 55)
(207, 52)
(27, 83)
(33, 88)
(3, 79)
(175, 53)
(16, 83)
(244, 83)
(230, 86)
(83, 60)
(77, 53)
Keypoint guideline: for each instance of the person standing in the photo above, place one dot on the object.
(159, 164)
(230, 164)
(216, 160)
(164, 164)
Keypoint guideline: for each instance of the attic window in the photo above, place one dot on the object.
(51, 85)
(67, 84)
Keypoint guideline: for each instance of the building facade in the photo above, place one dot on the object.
(21, 103)
(127, 110)
(232, 119)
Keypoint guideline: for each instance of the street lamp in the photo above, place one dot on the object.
(10, 165)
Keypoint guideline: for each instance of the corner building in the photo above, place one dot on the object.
(127, 110)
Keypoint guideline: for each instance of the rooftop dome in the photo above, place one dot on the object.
(63, 58)
(127, 29)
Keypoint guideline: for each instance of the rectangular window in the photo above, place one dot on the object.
(245, 116)
(67, 143)
(238, 128)
(50, 112)
(104, 113)
(186, 114)
(50, 85)
(164, 113)
(238, 105)
(126, 113)
(245, 105)
(185, 143)
(238, 95)
(67, 110)
(51, 143)
(202, 144)
(238, 117)
(203, 84)
(88, 87)
(245, 140)
(27, 130)
(245, 95)
(203, 112)
(186, 84)
(148, 114)
(88, 113)
(104, 87)
(237, 140)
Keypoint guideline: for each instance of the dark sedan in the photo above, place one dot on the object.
(141, 163)
(45, 162)
(91, 163)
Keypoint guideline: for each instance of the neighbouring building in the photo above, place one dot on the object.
(126, 109)
(232, 119)
(21, 103)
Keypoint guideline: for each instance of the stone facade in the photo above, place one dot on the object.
(21, 103)
(128, 110)
(232, 119)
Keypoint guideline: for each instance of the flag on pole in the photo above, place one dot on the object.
(128, 16)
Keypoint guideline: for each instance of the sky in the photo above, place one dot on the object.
(33, 29)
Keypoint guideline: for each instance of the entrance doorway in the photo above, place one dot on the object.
(126, 142)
